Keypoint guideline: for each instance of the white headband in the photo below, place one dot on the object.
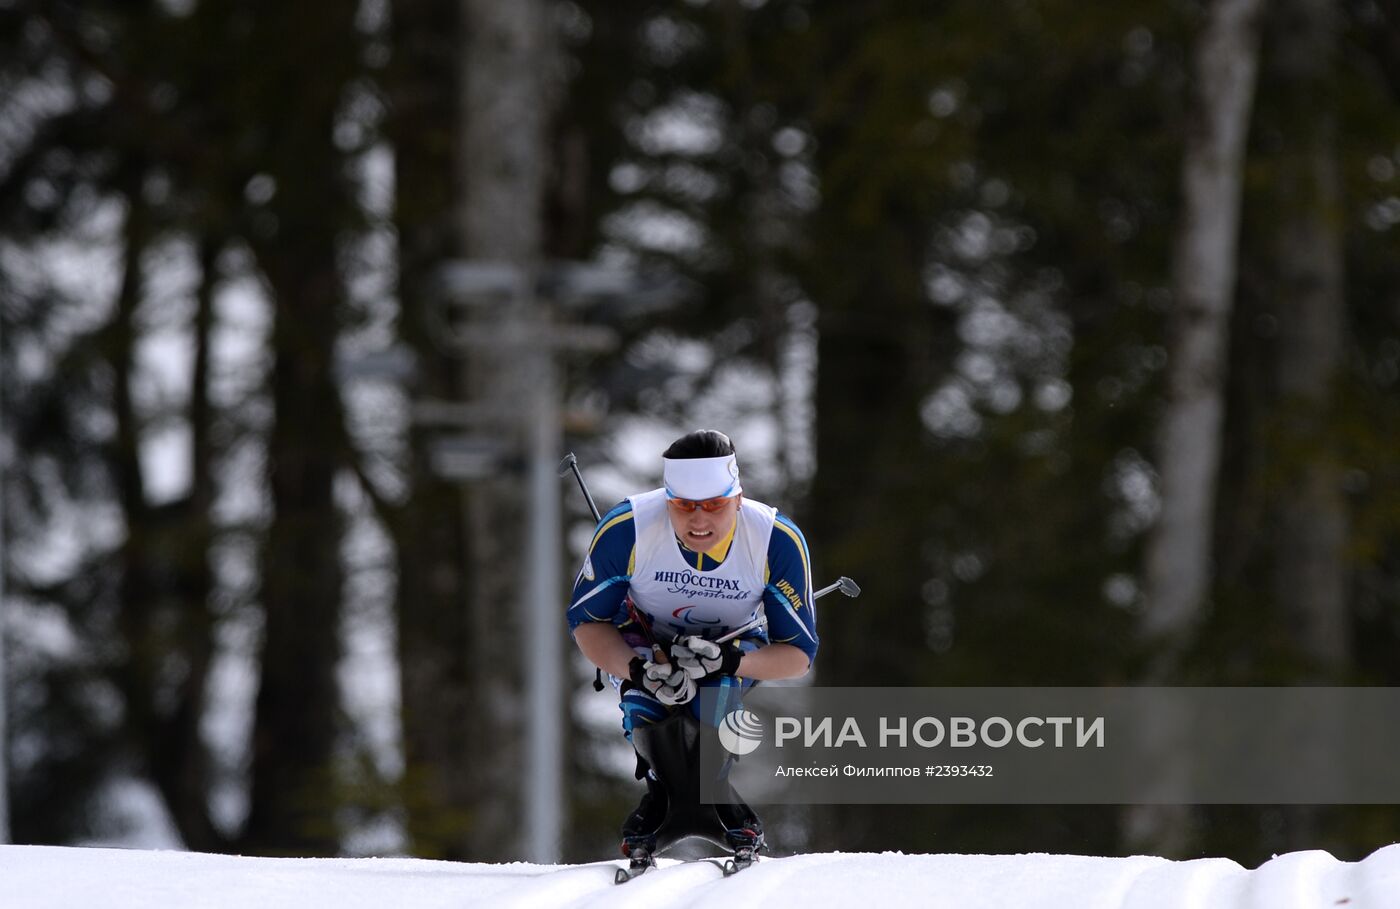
(701, 478)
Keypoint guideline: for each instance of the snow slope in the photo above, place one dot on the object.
(45, 877)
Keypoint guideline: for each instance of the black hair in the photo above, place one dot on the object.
(703, 443)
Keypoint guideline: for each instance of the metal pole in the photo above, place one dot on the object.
(544, 790)
(4, 614)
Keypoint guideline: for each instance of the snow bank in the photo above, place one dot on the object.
(44, 877)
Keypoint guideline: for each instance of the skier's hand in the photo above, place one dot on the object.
(700, 658)
(666, 682)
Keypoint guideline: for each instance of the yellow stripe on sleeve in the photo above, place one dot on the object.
(598, 534)
(802, 550)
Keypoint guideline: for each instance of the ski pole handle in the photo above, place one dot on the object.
(658, 653)
(570, 463)
(844, 584)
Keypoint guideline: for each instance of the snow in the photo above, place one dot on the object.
(50, 877)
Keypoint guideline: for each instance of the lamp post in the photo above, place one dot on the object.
(4, 613)
(533, 338)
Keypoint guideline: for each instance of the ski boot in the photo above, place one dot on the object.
(743, 833)
(639, 831)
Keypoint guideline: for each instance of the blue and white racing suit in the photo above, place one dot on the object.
(642, 579)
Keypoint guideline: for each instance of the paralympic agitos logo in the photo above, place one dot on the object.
(684, 615)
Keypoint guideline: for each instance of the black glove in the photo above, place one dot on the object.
(700, 658)
(666, 682)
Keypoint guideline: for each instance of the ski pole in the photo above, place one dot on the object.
(570, 463)
(747, 626)
(845, 585)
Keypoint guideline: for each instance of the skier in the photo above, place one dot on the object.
(667, 573)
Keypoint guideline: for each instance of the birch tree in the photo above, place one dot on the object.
(1203, 280)
(1178, 558)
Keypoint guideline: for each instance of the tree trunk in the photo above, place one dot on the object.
(296, 243)
(181, 765)
(298, 698)
(1309, 565)
(137, 599)
(1203, 278)
(434, 631)
(1310, 533)
(1178, 559)
(165, 575)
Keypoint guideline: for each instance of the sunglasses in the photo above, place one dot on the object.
(709, 505)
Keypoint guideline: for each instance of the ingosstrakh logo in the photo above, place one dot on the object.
(741, 731)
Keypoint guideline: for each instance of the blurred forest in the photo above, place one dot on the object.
(1072, 332)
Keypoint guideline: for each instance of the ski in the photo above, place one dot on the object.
(635, 870)
(743, 858)
(640, 862)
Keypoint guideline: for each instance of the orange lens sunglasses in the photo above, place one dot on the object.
(709, 505)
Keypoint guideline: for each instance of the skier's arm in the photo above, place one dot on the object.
(788, 604)
(599, 602)
(773, 662)
(602, 643)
